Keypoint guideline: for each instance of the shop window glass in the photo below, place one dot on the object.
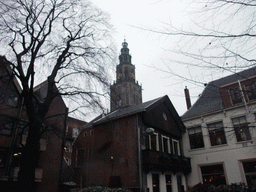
(213, 174)
(250, 172)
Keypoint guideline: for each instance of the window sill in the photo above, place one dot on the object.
(222, 145)
(247, 141)
(197, 149)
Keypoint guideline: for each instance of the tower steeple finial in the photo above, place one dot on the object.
(125, 57)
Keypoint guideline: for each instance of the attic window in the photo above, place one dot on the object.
(235, 94)
(251, 91)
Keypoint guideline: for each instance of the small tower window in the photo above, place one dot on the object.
(126, 72)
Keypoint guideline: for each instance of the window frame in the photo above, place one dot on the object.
(157, 141)
(75, 132)
(250, 90)
(241, 126)
(168, 144)
(235, 95)
(178, 146)
(248, 171)
(7, 126)
(168, 184)
(219, 130)
(214, 173)
(193, 138)
(68, 147)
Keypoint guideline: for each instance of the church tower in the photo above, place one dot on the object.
(125, 91)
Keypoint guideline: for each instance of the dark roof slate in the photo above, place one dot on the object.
(210, 99)
(126, 111)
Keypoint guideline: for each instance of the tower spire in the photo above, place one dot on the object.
(125, 92)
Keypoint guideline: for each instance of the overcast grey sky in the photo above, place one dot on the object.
(149, 49)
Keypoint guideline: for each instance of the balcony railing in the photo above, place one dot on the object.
(155, 160)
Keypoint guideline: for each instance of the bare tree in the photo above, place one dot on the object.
(217, 40)
(66, 41)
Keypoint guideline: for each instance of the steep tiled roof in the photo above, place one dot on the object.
(126, 111)
(210, 99)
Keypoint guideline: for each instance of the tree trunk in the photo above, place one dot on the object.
(29, 158)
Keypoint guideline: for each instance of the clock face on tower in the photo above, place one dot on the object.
(119, 75)
(132, 75)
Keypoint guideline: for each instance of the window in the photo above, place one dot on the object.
(4, 76)
(80, 157)
(213, 174)
(85, 133)
(176, 147)
(68, 161)
(241, 129)
(7, 126)
(251, 91)
(196, 137)
(68, 147)
(166, 144)
(13, 100)
(155, 181)
(168, 180)
(75, 132)
(179, 183)
(216, 132)
(250, 172)
(153, 142)
(235, 95)
(3, 155)
(92, 132)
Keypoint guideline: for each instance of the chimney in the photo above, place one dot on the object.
(187, 96)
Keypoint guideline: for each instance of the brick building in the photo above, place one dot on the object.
(13, 133)
(116, 149)
(72, 130)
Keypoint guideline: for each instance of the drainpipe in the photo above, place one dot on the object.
(139, 154)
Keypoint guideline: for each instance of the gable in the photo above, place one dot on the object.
(162, 115)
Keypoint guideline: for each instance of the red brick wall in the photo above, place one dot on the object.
(111, 151)
(224, 91)
(51, 159)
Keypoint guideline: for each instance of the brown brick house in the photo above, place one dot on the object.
(115, 150)
(13, 133)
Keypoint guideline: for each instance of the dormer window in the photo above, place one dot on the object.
(251, 91)
(235, 94)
